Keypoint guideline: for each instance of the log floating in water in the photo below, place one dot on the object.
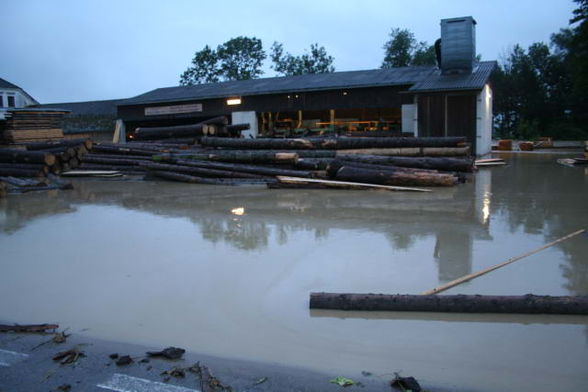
(28, 328)
(340, 143)
(294, 182)
(174, 176)
(411, 151)
(392, 177)
(532, 304)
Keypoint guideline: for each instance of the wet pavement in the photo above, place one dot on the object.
(227, 272)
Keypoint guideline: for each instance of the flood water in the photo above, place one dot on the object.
(228, 271)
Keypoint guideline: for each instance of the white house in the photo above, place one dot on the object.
(12, 96)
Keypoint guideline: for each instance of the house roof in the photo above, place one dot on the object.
(98, 108)
(7, 84)
(476, 80)
(402, 76)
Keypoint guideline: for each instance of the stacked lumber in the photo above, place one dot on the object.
(32, 125)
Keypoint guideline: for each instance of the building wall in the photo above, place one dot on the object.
(484, 121)
(21, 100)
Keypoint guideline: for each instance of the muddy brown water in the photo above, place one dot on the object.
(228, 272)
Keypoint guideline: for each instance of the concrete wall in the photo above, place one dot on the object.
(484, 121)
(246, 118)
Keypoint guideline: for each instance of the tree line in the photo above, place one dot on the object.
(538, 91)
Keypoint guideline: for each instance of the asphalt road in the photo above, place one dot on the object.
(27, 366)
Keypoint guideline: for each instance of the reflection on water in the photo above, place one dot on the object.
(233, 268)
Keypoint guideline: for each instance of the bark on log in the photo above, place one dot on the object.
(40, 167)
(122, 150)
(71, 142)
(177, 131)
(174, 176)
(13, 172)
(332, 143)
(121, 168)
(117, 156)
(294, 182)
(391, 177)
(198, 171)
(338, 163)
(112, 161)
(445, 164)
(532, 304)
(300, 153)
(241, 156)
(243, 168)
(17, 156)
(411, 151)
(28, 328)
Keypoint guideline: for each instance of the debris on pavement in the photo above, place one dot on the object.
(342, 381)
(69, 356)
(169, 353)
(124, 360)
(405, 384)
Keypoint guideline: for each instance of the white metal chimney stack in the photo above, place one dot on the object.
(458, 45)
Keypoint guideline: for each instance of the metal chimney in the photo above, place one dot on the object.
(458, 45)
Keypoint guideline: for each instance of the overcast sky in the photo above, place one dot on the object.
(77, 50)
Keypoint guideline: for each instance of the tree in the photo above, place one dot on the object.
(398, 49)
(317, 61)
(205, 68)
(237, 59)
(241, 58)
(402, 49)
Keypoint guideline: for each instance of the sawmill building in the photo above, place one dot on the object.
(452, 99)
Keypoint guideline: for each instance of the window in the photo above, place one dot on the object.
(10, 99)
(1, 100)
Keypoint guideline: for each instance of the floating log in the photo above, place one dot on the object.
(340, 143)
(446, 164)
(237, 167)
(294, 182)
(199, 171)
(391, 177)
(174, 176)
(17, 156)
(336, 164)
(532, 304)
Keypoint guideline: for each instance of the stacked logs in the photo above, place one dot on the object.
(34, 166)
(216, 126)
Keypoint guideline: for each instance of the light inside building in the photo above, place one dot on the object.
(238, 211)
(344, 92)
(234, 101)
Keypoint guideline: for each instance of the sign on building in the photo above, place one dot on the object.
(174, 109)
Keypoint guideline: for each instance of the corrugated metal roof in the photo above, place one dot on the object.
(97, 108)
(311, 82)
(435, 81)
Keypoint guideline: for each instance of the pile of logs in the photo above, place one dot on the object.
(32, 125)
(35, 165)
(217, 126)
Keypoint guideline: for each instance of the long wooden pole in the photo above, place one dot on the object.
(474, 275)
